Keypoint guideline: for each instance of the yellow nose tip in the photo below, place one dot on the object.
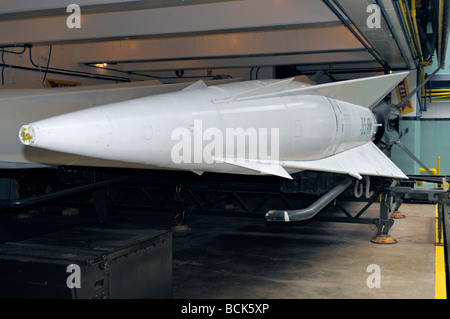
(26, 135)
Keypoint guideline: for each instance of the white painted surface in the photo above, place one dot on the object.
(313, 128)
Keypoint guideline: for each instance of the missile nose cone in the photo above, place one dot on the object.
(27, 135)
(83, 132)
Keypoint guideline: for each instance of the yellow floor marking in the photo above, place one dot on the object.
(440, 291)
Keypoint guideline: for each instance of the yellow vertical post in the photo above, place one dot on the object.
(439, 170)
(439, 165)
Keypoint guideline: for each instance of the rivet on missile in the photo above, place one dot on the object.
(26, 135)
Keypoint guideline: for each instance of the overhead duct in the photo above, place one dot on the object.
(445, 31)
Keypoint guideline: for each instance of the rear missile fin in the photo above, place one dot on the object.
(272, 168)
(366, 92)
(367, 159)
(255, 93)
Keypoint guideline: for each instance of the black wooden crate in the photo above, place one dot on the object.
(113, 262)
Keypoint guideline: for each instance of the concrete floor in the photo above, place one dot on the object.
(236, 258)
(225, 257)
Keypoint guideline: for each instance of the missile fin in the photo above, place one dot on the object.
(366, 159)
(272, 168)
(261, 91)
(365, 92)
(195, 86)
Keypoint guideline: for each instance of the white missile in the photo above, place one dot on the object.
(276, 127)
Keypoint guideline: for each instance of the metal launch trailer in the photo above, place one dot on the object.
(89, 262)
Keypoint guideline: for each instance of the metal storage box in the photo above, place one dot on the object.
(111, 262)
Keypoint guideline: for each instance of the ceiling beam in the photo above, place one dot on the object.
(250, 61)
(279, 42)
(13, 9)
(175, 21)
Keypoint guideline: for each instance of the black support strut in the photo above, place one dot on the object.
(312, 210)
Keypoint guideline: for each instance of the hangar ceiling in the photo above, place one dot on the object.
(145, 37)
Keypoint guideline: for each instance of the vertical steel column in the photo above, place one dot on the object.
(385, 223)
(101, 206)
